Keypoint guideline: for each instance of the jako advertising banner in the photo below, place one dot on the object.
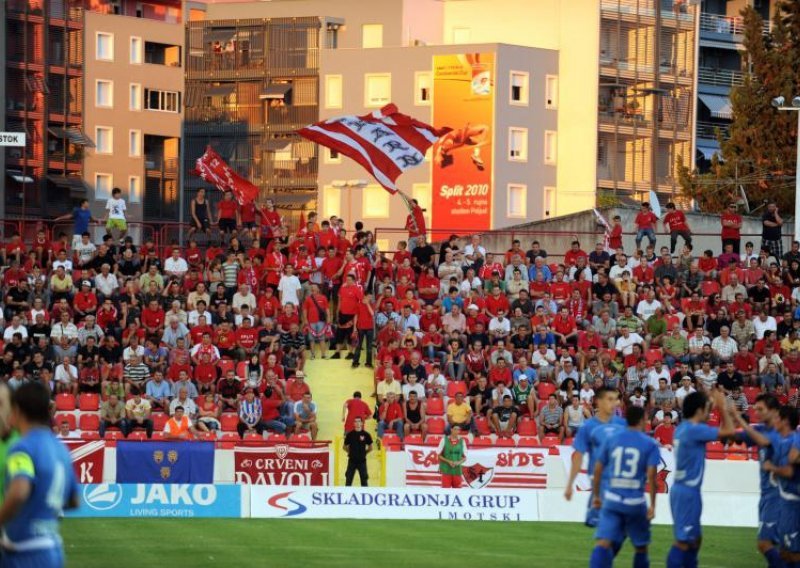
(392, 503)
(494, 468)
(159, 500)
(463, 99)
(282, 465)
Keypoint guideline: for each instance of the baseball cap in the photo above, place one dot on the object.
(472, 307)
(86, 283)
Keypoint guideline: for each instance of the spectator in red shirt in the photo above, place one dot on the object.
(350, 295)
(731, 228)
(575, 251)
(675, 223)
(564, 327)
(615, 233)
(315, 318)
(85, 301)
(390, 416)
(365, 328)
(355, 408)
(415, 224)
(665, 432)
(645, 225)
(153, 319)
(229, 219)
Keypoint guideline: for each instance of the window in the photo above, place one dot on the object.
(331, 156)
(372, 35)
(167, 101)
(331, 201)
(135, 143)
(104, 140)
(134, 189)
(102, 186)
(136, 50)
(377, 89)
(519, 88)
(549, 201)
(551, 92)
(333, 91)
(104, 94)
(518, 144)
(374, 202)
(422, 88)
(462, 35)
(135, 102)
(550, 147)
(517, 200)
(104, 47)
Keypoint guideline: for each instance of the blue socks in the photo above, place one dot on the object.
(602, 557)
(675, 558)
(641, 560)
(774, 558)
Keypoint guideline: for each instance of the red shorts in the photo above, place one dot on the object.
(451, 481)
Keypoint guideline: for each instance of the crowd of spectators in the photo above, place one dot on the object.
(214, 336)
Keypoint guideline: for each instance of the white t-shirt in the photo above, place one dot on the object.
(116, 208)
(625, 344)
(176, 266)
(85, 251)
(289, 286)
(417, 388)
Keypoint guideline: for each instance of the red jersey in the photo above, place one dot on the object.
(349, 298)
(356, 408)
(268, 306)
(330, 268)
(415, 222)
(84, 302)
(706, 264)
(247, 212)
(295, 390)
(366, 319)
(564, 325)
(153, 319)
(269, 220)
(391, 412)
(730, 232)
(247, 337)
(248, 276)
(646, 220)
(664, 434)
(676, 221)
(174, 370)
(560, 291)
(427, 320)
(571, 256)
(225, 339)
(227, 209)
(274, 264)
(312, 309)
(495, 303)
(400, 256)
(500, 376)
(615, 237)
(426, 281)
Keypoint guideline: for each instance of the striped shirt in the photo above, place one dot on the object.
(230, 272)
(250, 412)
(551, 417)
(136, 373)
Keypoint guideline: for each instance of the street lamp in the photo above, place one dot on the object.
(780, 104)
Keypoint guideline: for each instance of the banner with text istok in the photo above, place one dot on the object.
(463, 98)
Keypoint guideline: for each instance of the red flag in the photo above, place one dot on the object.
(213, 169)
(386, 143)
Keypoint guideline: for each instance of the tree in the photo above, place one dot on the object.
(760, 154)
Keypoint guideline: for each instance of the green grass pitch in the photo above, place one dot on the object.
(178, 543)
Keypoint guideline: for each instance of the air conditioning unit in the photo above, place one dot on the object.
(418, 43)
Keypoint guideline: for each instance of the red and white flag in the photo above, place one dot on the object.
(213, 169)
(386, 143)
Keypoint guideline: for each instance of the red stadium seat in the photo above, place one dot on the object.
(715, 451)
(482, 424)
(454, 387)
(68, 417)
(526, 427)
(229, 421)
(159, 420)
(709, 288)
(549, 441)
(65, 401)
(241, 369)
(505, 442)
(391, 440)
(209, 436)
(750, 393)
(568, 441)
(433, 440)
(713, 418)
(544, 390)
(139, 435)
(114, 435)
(89, 401)
(89, 422)
(253, 436)
(413, 439)
(528, 442)
(158, 436)
(434, 406)
(654, 355)
(90, 436)
(481, 441)
(435, 425)
(301, 437)
(229, 437)
(226, 365)
(277, 438)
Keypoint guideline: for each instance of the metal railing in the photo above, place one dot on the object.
(720, 77)
(710, 129)
(730, 25)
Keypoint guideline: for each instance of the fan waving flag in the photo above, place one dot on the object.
(213, 169)
(386, 143)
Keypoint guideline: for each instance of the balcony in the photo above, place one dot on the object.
(726, 25)
(708, 130)
(720, 77)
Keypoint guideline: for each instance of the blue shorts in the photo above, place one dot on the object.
(592, 513)
(616, 524)
(769, 512)
(45, 558)
(789, 526)
(687, 506)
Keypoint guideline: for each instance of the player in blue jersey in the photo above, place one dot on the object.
(590, 439)
(787, 474)
(767, 438)
(40, 484)
(689, 447)
(626, 462)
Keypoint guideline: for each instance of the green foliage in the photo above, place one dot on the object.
(760, 154)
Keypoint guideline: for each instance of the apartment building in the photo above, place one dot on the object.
(134, 106)
(720, 68)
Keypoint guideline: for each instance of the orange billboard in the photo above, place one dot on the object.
(463, 99)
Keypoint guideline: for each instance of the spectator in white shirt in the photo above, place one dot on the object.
(85, 250)
(66, 377)
(289, 287)
(106, 283)
(408, 320)
(648, 306)
(64, 328)
(244, 297)
(684, 390)
(500, 325)
(764, 322)
(17, 327)
(659, 371)
(175, 265)
(132, 350)
(199, 316)
(724, 346)
(413, 386)
(627, 340)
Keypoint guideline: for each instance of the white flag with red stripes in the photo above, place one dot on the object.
(386, 143)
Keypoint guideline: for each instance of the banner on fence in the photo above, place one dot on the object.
(87, 459)
(159, 500)
(494, 468)
(392, 503)
(282, 465)
(165, 462)
(664, 474)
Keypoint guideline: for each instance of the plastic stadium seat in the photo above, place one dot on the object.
(715, 451)
(750, 393)
(435, 425)
(482, 424)
(89, 422)
(414, 439)
(241, 369)
(434, 406)
(544, 390)
(209, 436)
(709, 288)
(138, 435)
(751, 415)
(159, 420)
(229, 422)
(90, 436)
(505, 442)
(433, 440)
(481, 441)
(253, 436)
(89, 401)
(277, 438)
(653, 355)
(528, 442)
(303, 438)
(550, 441)
(454, 387)
(229, 437)
(713, 418)
(526, 427)
(65, 401)
(226, 365)
(158, 436)
(69, 417)
(114, 435)
(391, 441)
(568, 441)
